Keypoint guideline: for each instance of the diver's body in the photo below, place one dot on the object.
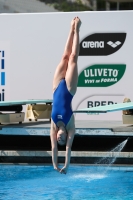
(64, 88)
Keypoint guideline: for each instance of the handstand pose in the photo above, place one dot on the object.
(64, 87)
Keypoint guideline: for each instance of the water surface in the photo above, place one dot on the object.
(81, 182)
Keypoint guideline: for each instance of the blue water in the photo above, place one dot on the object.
(19, 182)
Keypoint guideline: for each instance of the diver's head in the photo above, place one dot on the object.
(61, 135)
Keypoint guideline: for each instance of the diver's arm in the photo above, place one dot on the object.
(68, 150)
(54, 148)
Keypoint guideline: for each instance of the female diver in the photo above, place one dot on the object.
(64, 88)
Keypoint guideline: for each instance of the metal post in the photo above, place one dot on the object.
(118, 5)
(107, 5)
(94, 4)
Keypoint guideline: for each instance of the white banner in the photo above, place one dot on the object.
(36, 46)
(4, 70)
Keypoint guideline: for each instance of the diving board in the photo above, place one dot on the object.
(17, 105)
(24, 102)
(36, 109)
(107, 108)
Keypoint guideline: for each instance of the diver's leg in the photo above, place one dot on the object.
(72, 71)
(61, 69)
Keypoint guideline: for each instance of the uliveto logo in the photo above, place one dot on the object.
(101, 75)
(101, 44)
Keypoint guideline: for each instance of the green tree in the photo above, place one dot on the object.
(67, 6)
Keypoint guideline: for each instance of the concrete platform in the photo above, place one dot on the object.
(42, 127)
(78, 124)
(73, 154)
(77, 157)
(29, 142)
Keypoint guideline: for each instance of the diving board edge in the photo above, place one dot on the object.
(87, 112)
(107, 108)
(24, 102)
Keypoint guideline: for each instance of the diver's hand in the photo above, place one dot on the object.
(57, 169)
(63, 170)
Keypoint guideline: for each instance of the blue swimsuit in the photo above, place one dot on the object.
(61, 109)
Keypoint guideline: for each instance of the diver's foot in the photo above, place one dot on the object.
(77, 24)
(73, 24)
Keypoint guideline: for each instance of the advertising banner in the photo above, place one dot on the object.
(31, 47)
(4, 70)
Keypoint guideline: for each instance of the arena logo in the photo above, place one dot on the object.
(92, 44)
(114, 45)
(59, 117)
(101, 44)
